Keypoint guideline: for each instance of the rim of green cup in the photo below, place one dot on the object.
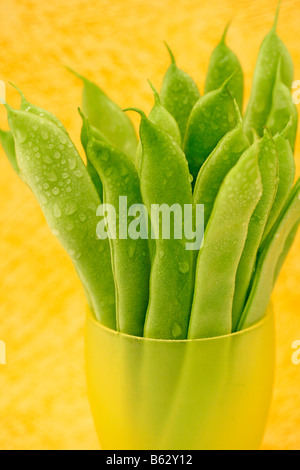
(269, 314)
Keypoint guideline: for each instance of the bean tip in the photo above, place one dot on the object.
(223, 39)
(277, 15)
(155, 92)
(170, 52)
(73, 72)
(225, 84)
(86, 124)
(237, 111)
(289, 125)
(136, 110)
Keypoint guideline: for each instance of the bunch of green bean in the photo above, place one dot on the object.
(193, 150)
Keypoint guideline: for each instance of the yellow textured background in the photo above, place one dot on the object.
(118, 43)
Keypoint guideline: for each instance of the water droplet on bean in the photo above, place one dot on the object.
(57, 155)
(82, 217)
(72, 164)
(71, 208)
(56, 191)
(184, 267)
(45, 135)
(176, 330)
(57, 211)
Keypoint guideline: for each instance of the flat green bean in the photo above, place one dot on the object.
(222, 64)
(8, 144)
(165, 181)
(50, 165)
(259, 106)
(211, 118)
(90, 167)
(217, 165)
(266, 269)
(162, 118)
(32, 108)
(286, 174)
(268, 165)
(288, 245)
(130, 257)
(179, 93)
(108, 117)
(283, 108)
(224, 241)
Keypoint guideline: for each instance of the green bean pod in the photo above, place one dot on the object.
(287, 246)
(130, 256)
(108, 117)
(283, 108)
(7, 139)
(179, 93)
(90, 167)
(286, 175)
(211, 118)
(165, 181)
(224, 241)
(222, 64)
(51, 166)
(217, 165)
(33, 109)
(162, 118)
(259, 106)
(268, 165)
(8, 144)
(267, 266)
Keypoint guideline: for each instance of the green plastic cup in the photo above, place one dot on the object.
(211, 394)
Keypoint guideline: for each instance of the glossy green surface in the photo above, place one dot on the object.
(130, 257)
(223, 64)
(51, 166)
(179, 93)
(192, 151)
(211, 118)
(180, 395)
(223, 245)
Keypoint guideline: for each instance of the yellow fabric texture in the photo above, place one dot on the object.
(118, 44)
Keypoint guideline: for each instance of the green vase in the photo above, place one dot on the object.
(211, 394)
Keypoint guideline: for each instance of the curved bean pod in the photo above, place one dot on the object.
(8, 144)
(90, 167)
(286, 174)
(130, 257)
(217, 165)
(162, 118)
(165, 181)
(108, 117)
(51, 166)
(288, 245)
(266, 270)
(211, 118)
(179, 93)
(272, 50)
(283, 108)
(268, 165)
(32, 108)
(7, 139)
(222, 64)
(222, 249)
